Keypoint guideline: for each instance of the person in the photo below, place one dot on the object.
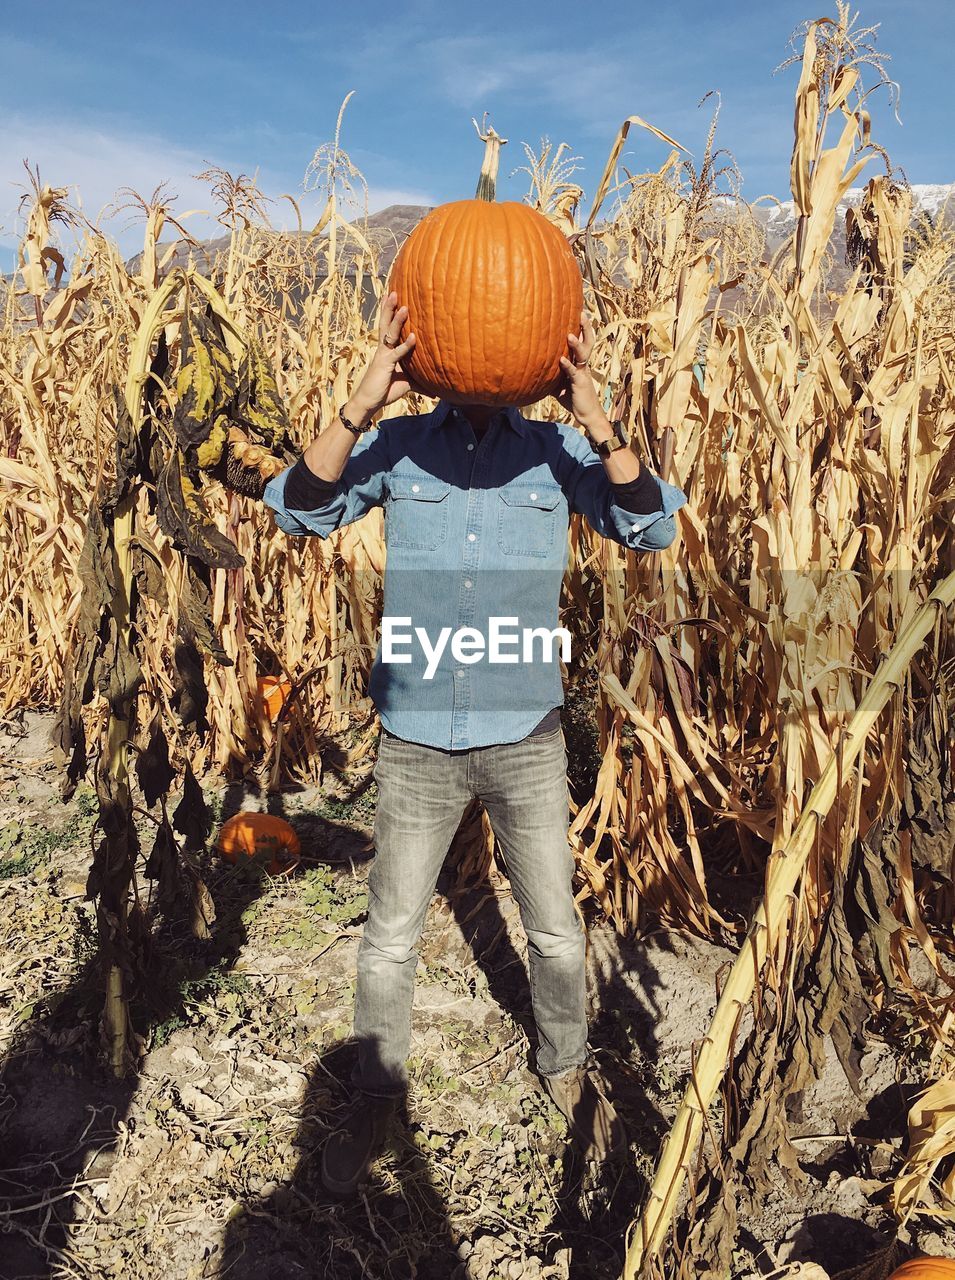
(476, 504)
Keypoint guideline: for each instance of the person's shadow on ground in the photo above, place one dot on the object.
(60, 1107)
(399, 1227)
(303, 1230)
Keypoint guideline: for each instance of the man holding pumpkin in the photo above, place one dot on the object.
(477, 500)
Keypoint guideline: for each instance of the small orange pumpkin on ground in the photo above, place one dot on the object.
(925, 1269)
(492, 291)
(273, 692)
(260, 836)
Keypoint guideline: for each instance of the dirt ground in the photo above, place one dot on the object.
(206, 1163)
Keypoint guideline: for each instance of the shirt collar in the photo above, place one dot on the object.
(444, 412)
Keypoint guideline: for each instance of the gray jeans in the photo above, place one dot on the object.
(422, 794)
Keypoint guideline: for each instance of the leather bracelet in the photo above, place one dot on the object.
(356, 431)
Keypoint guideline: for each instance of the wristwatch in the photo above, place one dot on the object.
(619, 440)
(356, 431)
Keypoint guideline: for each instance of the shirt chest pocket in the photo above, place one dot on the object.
(528, 518)
(416, 514)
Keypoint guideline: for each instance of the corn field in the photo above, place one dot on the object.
(806, 407)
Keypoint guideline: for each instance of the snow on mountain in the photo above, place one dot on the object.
(930, 196)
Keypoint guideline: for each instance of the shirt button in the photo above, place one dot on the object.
(468, 583)
(472, 537)
(533, 497)
(416, 488)
(470, 447)
(459, 672)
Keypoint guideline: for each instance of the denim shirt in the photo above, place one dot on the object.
(474, 531)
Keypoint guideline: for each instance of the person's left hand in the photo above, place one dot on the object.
(579, 395)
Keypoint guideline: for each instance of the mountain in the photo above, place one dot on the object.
(934, 199)
(384, 231)
(778, 221)
(387, 229)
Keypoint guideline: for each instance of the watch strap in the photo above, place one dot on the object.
(618, 440)
(611, 445)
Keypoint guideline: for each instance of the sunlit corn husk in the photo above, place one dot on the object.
(925, 1186)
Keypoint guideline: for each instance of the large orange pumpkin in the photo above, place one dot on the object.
(925, 1269)
(492, 291)
(260, 836)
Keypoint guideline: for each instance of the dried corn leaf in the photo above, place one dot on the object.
(206, 388)
(162, 865)
(153, 769)
(191, 817)
(185, 517)
(931, 1124)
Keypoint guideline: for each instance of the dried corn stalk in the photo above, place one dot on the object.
(768, 926)
(158, 471)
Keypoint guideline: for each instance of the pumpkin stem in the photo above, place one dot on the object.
(487, 183)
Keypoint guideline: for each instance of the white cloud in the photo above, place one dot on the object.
(95, 164)
(469, 68)
(381, 197)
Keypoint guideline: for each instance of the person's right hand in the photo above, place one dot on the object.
(384, 380)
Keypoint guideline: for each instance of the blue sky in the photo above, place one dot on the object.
(106, 95)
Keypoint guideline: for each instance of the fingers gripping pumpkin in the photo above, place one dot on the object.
(492, 291)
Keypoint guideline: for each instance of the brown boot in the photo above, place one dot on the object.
(595, 1127)
(354, 1146)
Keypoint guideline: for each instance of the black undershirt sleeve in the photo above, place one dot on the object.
(305, 491)
(641, 497)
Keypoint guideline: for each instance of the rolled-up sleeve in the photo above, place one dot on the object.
(590, 493)
(360, 487)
